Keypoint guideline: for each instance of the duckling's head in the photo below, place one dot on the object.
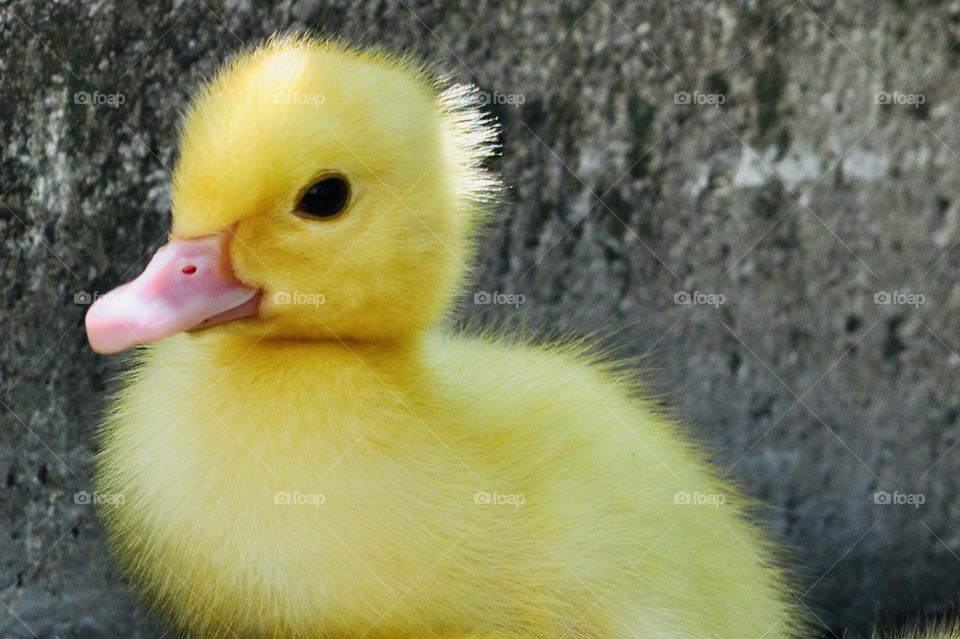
(322, 192)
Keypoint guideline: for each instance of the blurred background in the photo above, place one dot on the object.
(760, 198)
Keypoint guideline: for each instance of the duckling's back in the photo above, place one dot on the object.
(631, 517)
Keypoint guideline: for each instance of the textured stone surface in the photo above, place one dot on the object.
(798, 200)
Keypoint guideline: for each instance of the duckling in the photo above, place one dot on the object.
(303, 449)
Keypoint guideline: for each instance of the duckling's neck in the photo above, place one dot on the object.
(334, 390)
(335, 370)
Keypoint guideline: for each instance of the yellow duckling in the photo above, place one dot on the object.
(323, 460)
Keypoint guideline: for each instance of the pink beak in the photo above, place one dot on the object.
(188, 284)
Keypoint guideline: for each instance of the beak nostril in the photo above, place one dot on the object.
(190, 269)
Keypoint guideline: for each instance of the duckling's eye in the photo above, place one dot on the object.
(324, 199)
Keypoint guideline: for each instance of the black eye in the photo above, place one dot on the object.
(324, 199)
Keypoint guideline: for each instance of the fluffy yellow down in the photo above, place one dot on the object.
(343, 468)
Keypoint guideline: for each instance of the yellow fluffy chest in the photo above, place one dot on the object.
(272, 505)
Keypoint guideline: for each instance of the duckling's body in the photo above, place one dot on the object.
(392, 453)
(323, 461)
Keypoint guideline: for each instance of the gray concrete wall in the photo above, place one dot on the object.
(819, 183)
